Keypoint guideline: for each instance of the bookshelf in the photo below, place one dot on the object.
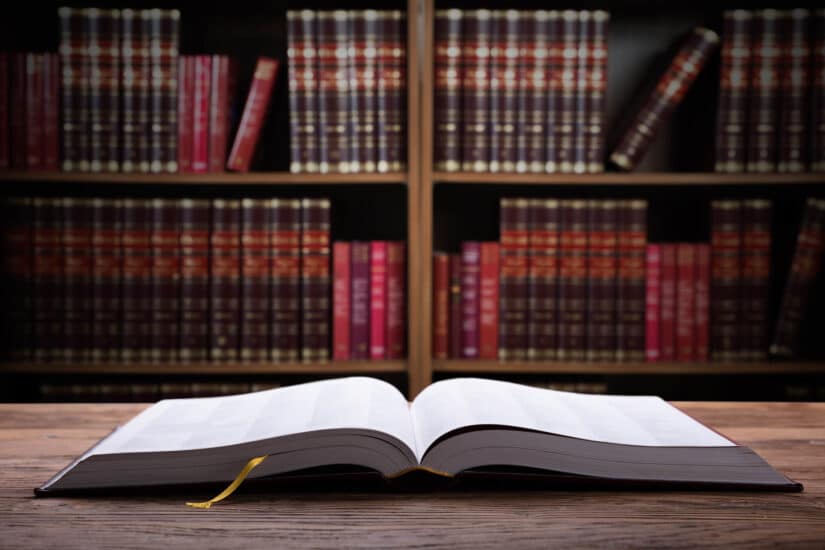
(225, 178)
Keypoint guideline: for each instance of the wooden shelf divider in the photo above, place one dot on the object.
(337, 368)
(666, 368)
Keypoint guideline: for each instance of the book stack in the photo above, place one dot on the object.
(143, 392)
(566, 281)
(347, 90)
(520, 91)
(771, 115)
(369, 310)
(29, 111)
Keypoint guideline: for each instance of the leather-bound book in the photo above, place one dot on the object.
(685, 302)
(360, 308)
(254, 114)
(341, 300)
(562, 96)
(396, 300)
(455, 306)
(653, 303)
(186, 99)
(34, 111)
(734, 89)
(756, 273)
(315, 280)
(51, 113)
(701, 320)
(285, 284)
(255, 283)
(601, 280)
(794, 87)
(725, 279)
(18, 101)
(165, 284)
(48, 281)
(817, 150)
(222, 94)
(391, 99)
(74, 85)
(543, 242)
(667, 335)
(17, 245)
(301, 57)
(164, 35)
(195, 225)
(669, 92)
(581, 113)
(136, 74)
(513, 292)
(507, 27)
(488, 301)
(596, 93)
(447, 90)
(225, 280)
(470, 282)
(475, 82)
(378, 299)
(630, 290)
(103, 43)
(441, 305)
(534, 47)
(333, 91)
(107, 275)
(136, 248)
(572, 325)
(764, 97)
(362, 73)
(200, 113)
(5, 108)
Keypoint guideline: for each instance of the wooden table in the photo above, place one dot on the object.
(37, 440)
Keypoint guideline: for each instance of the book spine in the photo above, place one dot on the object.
(17, 124)
(107, 271)
(300, 62)
(550, 126)
(653, 303)
(200, 114)
(285, 286)
(315, 299)
(513, 288)
(360, 320)
(165, 283)
(572, 280)
(596, 93)
(77, 273)
(103, 40)
(136, 73)
(195, 226)
(34, 111)
(378, 299)
(756, 271)
(333, 90)
(488, 301)
(506, 27)
(164, 36)
(48, 288)
(51, 113)
(665, 97)
(794, 82)
(734, 87)
(667, 334)
(817, 150)
(341, 294)
(441, 306)
(532, 90)
(363, 36)
(73, 90)
(396, 300)
(685, 302)
(563, 94)
(391, 97)
(763, 107)
(702, 301)
(186, 98)
(447, 91)
(17, 244)
(726, 276)
(630, 291)
(475, 80)
(254, 113)
(601, 279)
(581, 114)
(255, 274)
(543, 240)
(136, 284)
(455, 306)
(470, 283)
(219, 98)
(805, 267)
(225, 280)
(5, 84)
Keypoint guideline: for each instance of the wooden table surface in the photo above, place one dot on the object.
(37, 440)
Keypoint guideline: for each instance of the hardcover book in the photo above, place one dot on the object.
(762, 119)
(488, 301)
(475, 81)
(455, 307)
(195, 225)
(360, 312)
(225, 280)
(165, 284)
(285, 283)
(255, 264)
(572, 308)
(653, 302)
(441, 306)
(341, 300)
(378, 299)
(470, 283)
(137, 278)
(301, 55)
(513, 242)
(447, 90)
(725, 279)
(630, 292)
(756, 275)
(315, 298)
(396, 299)
(734, 87)
(543, 241)
(667, 328)
(254, 114)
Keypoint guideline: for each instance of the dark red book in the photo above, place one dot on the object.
(441, 305)
(726, 279)
(513, 282)
(103, 58)
(756, 278)
(136, 248)
(186, 98)
(572, 308)
(596, 93)
(764, 97)
(136, 75)
(488, 301)
(255, 284)
(470, 286)
(254, 114)
(341, 294)
(225, 280)
(734, 88)
(285, 286)
(532, 90)
(164, 36)
(195, 225)
(630, 290)
(701, 306)
(17, 275)
(200, 113)
(561, 109)
(396, 299)
(107, 275)
(333, 91)
(49, 297)
(601, 280)
(391, 99)
(475, 82)
(653, 303)
(447, 90)
(315, 320)
(360, 320)
(667, 335)
(378, 299)
(506, 28)
(19, 105)
(543, 241)
(581, 113)
(5, 77)
(301, 55)
(794, 86)
(221, 93)
(455, 306)
(362, 34)
(51, 112)
(818, 92)
(34, 111)
(685, 302)
(165, 284)
(74, 89)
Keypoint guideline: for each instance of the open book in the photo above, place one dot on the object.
(452, 427)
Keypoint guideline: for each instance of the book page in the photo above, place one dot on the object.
(206, 422)
(630, 420)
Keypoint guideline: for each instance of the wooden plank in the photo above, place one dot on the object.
(337, 368)
(249, 178)
(707, 367)
(633, 178)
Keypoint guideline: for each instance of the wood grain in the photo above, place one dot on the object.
(37, 440)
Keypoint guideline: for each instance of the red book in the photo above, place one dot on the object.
(470, 281)
(51, 112)
(653, 296)
(701, 317)
(455, 306)
(360, 300)
(17, 105)
(685, 296)
(396, 299)
(5, 161)
(200, 114)
(219, 110)
(34, 110)
(378, 299)
(341, 282)
(254, 113)
(441, 306)
(488, 302)
(186, 97)
(667, 311)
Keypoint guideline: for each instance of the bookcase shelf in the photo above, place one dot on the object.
(668, 368)
(633, 178)
(222, 178)
(336, 368)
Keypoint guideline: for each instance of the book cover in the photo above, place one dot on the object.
(817, 150)
(360, 320)
(136, 249)
(164, 36)
(725, 279)
(488, 301)
(17, 245)
(596, 93)
(5, 108)
(794, 86)
(630, 290)
(391, 101)
(506, 27)
(135, 94)
(455, 306)
(685, 302)
(562, 105)
(470, 283)
(315, 283)
(447, 90)
(19, 103)
(378, 299)
(543, 242)
(221, 92)
(475, 82)
(76, 240)
(396, 299)
(764, 96)
(164, 296)
(74, 84)
(514, 215)
(285, 285)
(186, 103)
(255, 284)
(756, 275)
(48, 289)
(734, 89)
(667, 334)
(333, 90)
(441, 305)
(581, 113)
(254, 114)
(34, 111)
(225, 280)
(701, 305)
(103, 46)
(341, 294)
(534, 47)
(301, 63)
(572, 327)
(653, 302)
(362, 72)
(195, 224)
(51, 113)
(200, 113)
(601, 280)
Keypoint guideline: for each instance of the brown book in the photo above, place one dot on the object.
(581, 112)
(543, 241)
(225, 280)
(725, 279)
(362, 73)
(285, 285)
(107, 275)
(255, 274)
(447, 90)
(630, 280)
(195, 225)
(601, 280)
(513, 241)
(572, 325)
(764, 96)
(136, 249)
(165, 284)
(596, 93)
(315, 280)
(756, 273)
(562, 96)
(734, 87)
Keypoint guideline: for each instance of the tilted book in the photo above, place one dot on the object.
(504, 428)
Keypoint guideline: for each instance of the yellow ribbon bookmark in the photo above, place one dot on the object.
(251, 465)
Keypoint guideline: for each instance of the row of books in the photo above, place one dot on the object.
(520, 91)
(771, 115)
(144, 392)
(162, 280)
(347, 90)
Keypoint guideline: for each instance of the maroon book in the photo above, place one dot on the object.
(764, 97)
(601, 280)
(756, 272)
(220, 110)
(255, 274)
(363, 43)
(572, 308)
(630, 290)
(667, 335)
(507, 26)
(164, 35)
(455, 307)
(51, 112)
(391, 99)
(254, 114)
(103, 58)
(360, 305)
(794, 84)
(34, 111)
(441, 306)
(581, 114)
(532, 91)
(378, 300)
(475, 82)
(225, 280)
(701, 319)
(653, 303)
(200, 113)
(685, 302)
(470, 282)
(5, 160)
(726, 279)
(447, 91)
(596, 93)
(74, 93)
(488, 301)
(194, 226)
(16, 246)
(513, 283)
(134, 88)
(562, 96)
(396, 299)
(19, 104)
(107, 274)
(301, 55)
(49, 302)
(734, 87)
(341, 294)
(137, 278)
(333, 108)
(543, 241)
(315, 280)
(165, 284)
(285, 284)
(818, 92)
(186, 98)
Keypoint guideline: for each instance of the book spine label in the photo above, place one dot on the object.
(441, 306)
(200, 114)
(513, 288)
(341, 293)
(396, 300)
(285, 286)
(470, 282)
(19, 103)
(34, 111)
(668, 93)
(165, 283)
(333, 90)
(77, 272)
(601, 280)
(572, 280)
(562, 112)
(107, 271)
(360, 320)
(73, 85)
(49, 302)
(702, 301)
(685, 302)
(488, 301)
(532, 89)
(794, 83)
(818, 92)
(596, 93)
(653, 302)
(136, 284)
(543, 258)
(164, 34)
(219, 98)
(5, 77)
(17, 244)
(506, 27)
(764, 96)
(475, 80)
(391, 99)
(667, 336)
(51, 113)
(756, 272)
(378, 299)
(135, 94)
(225, 280)
(726, 253)
(632, 241)
(315, 284)
(254, 113)
(301, 56)
(731, 121)
(186, 98)
(195, 225)
(447, 91)
(255, 273)
(455, 306)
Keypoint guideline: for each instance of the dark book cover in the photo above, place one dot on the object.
(378, 299)
(455, 306)
(470, 283)
(51, 113)
(581, 114)
(533, 48)
(136, 69)
(725, 279)
(19, 104)
(734, 90)
(362, 69)
(685, 302)
(48, 287)
(74, 90)
(195, 226)
(254, 114)
(596, 93)
(572, 308)
(255, 280)
(107, 274)
(653, 303)
(341, 300)
(475, 83)
(756, 278)
(514, 220)
(186, 98)
(136, 248)
(5, 109)
(34, 111)
(441, 305)
(225, 280)
(285, 283)
(165, 285)
(17, 271)
(794, 86)
(447, 91)
(315, 280)
(391, 100)
(164, 36)
(301, 56)
(396, 299)
(667, 335)
(630, 290)
(563, 106)
(601, 280)
(764, 97)
(360, 320)
(506, 29)
(333, 91)
(221, 94)
(543, 241)
(488, 301)
(817, 150)
(103, 43)
(701, 321)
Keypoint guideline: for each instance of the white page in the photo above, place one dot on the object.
(198, 423)
(631, 420)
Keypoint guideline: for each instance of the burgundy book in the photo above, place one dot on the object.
(562, 95)
(725, 279)
(653, 302)
(285, 284)
(669, 92)
(805, 267)
(455, 307)
(103, 57)
(581, 114)
(255, 280)
(34, 111)
(507, 27)
(756, 273)
(5, 160)
(630, 291)
(513, 288)
(301, 57)
(254, 114)
(702, 301)
(378, 299)
(19, 103)
(74, 86)
(164, 35)
(333, 90)
(764, 96)
(543, 242)
(470, 283)
(49, 297)
(341, 303)
(475, 82)
(360, 295)
(195, 225)
(200, 113)
(488, 301)
(165, 284)
(397, 299)
(186, 98)
(818, 92)
(17, 245)
(107, 275)
(572, 308)
(315, 283)
(136, 74)
(794, 86)
(136, 249)
(734, 88)
(534, 44)
(441, 306)
(51, 112)
(225, 280)
(667, 334)
(601, 280)
(447, 90)
(362, 72)
(221, 93)
(596, 93)
(685, 302)
(391, 99)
